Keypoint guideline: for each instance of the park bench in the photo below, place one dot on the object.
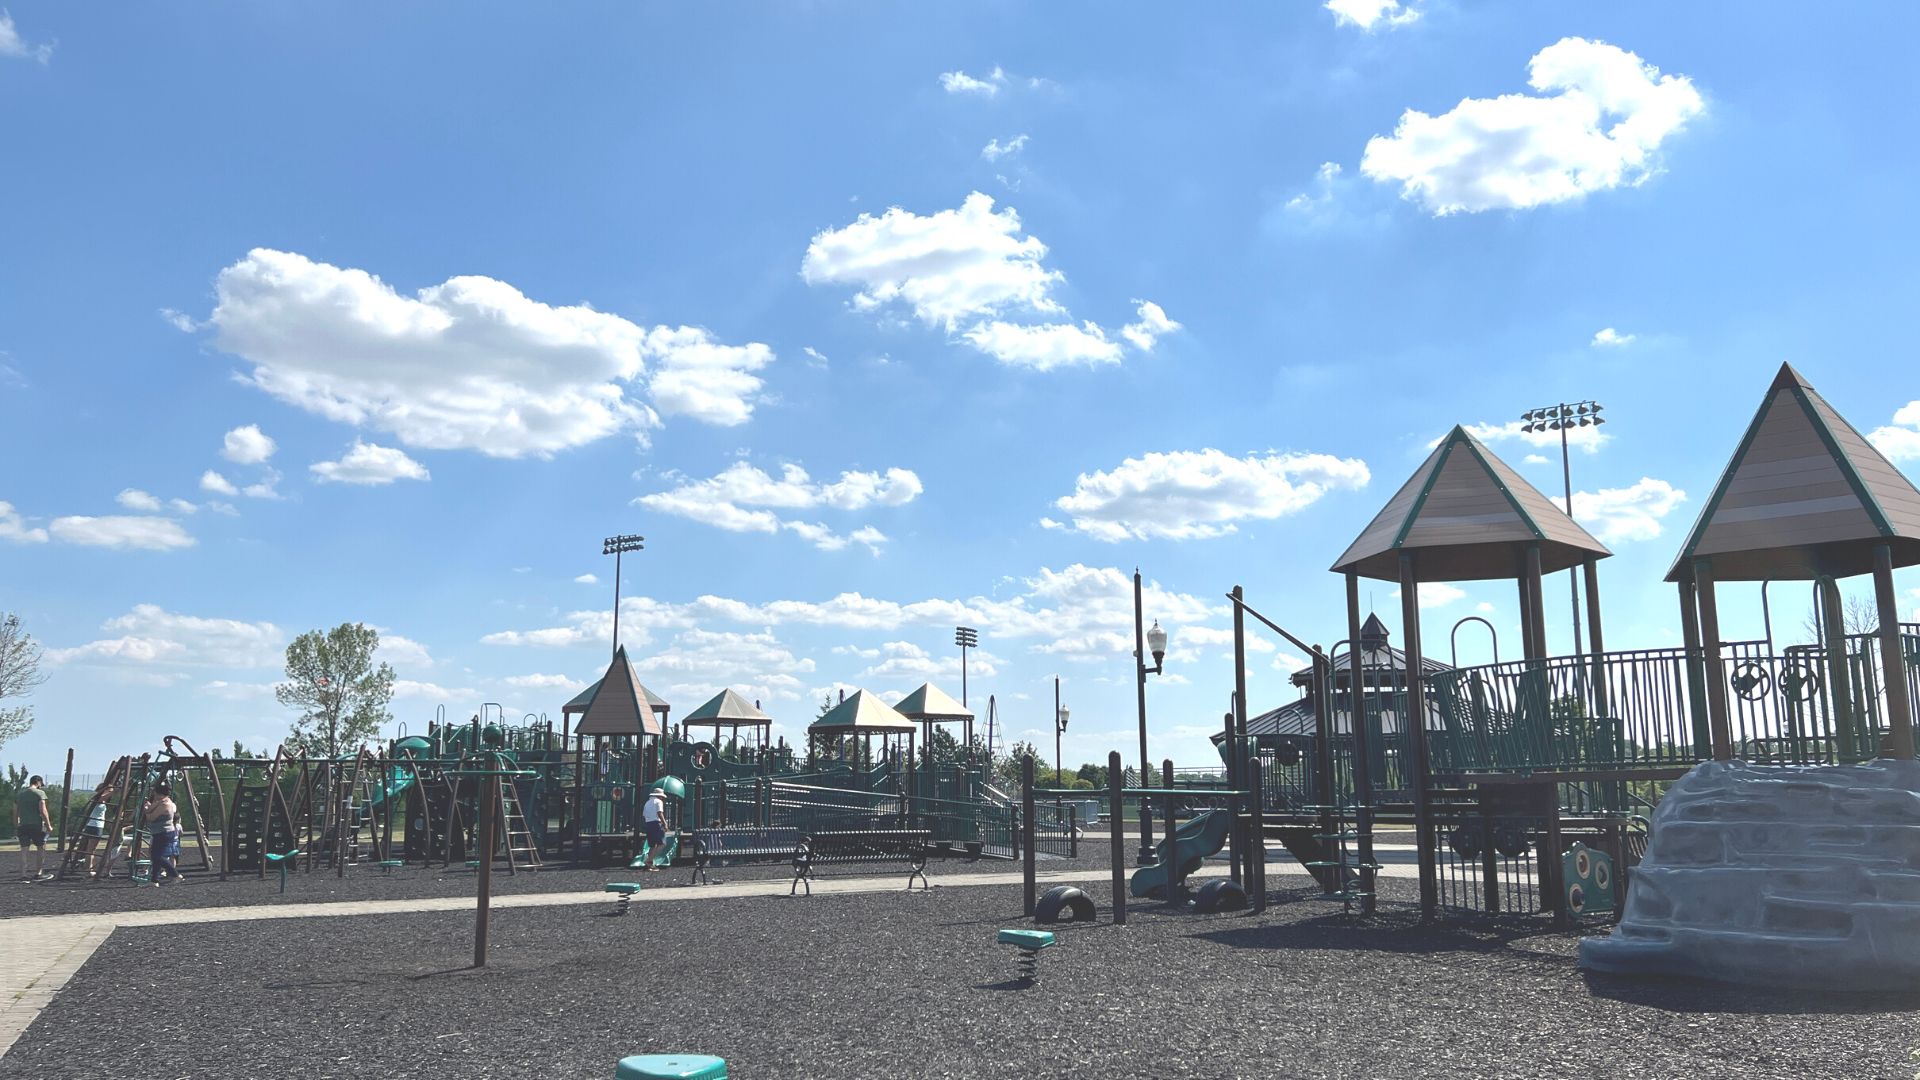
(859, 846)
(729, 844)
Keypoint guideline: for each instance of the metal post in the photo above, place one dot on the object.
(1892, 658)
(1536, 593)
(1696, 675)
(1117, 837)
(1847, 718)
(1140, 684)
(1415, 724)
(1710, 650)
(1257, 851)
(484, 900)
(1592, 572)
(1026, 832)
(1526, 608)
(1057, 732)
(1362, 746)
(1573, 581)
(616, 601)
(66, 802)
(1237, 730)
(1168, 827)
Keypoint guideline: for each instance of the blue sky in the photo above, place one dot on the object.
(877, 319)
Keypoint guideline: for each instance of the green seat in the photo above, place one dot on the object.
(627, 887)
(282, 857)
(1026, 940)
(671, 1067)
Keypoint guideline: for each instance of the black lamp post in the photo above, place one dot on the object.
(617, 546)
(1059, 729)
(1155, 642)
(1564, 418)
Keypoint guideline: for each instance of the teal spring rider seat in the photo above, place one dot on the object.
(671, 1067)
(279, 862)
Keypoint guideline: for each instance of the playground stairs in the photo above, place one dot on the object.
(1328, 849)
(522, 849)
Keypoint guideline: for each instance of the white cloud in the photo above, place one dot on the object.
(959, 82)
(247, 446)
(181, 506)
(12, 44)
(701, 661)
(1604, 117)
(1590, 438)
(1536, 459)
(995, 149)
(150, 634)
(815, 357)
(965, 271)
(1629, 513)
(179, 320)
(1152, 325)
(905, 662)
(1435, 594)
(401, 651)
(744, 499)
(366, 463)
(135, 499)
(545, 682)
(470, 364)
(587, 579)
(1369, 14)
(263, 488)
(1900, 440)
(237, 691)
(412, 690)
(219, 485)
(1608, 337)
(117, 531)
(1197, 494)
(1317, 204)
(1483, 607)
(13, 528)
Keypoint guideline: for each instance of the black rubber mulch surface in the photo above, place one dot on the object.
(891, 985)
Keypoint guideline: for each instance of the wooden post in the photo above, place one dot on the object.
(1536, 595)
(1117, 836)
(1522, 580)
(1892, 655)
(484, 900)
(1600, 703)
(66, 802)
(1696, 671)
(1026, 832)
(1717, 719)
(1362, 747)
(1849, 726)
(1414, 721)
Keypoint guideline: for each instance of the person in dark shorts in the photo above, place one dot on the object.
(162, 819)
(653, 818)
(31, 824)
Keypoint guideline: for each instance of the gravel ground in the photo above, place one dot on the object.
(890, 985)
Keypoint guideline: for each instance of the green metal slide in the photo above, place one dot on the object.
(1198, 837)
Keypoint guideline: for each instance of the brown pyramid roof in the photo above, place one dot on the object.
(1804, 495)
(932, 703)
(860, 713)
(727, 707)
(1466, 511)
(614, 707)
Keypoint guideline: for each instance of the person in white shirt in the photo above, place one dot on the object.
(653, 819)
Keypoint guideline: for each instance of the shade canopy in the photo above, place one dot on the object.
(726, 709)
(861, 714)
(1805, 495)
(671, 786)
(1468, 515)
(612, 705)
(932, 703)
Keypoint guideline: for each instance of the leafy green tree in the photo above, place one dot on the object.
(1094, 775)
(19, 674)
(342, 696)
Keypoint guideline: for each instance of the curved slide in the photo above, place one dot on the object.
(1202, 835)
(401, 777)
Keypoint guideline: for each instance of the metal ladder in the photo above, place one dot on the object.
(81, 848)
(520, 845)
(1351, 880)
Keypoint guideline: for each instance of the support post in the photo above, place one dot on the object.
(1718, 722)
(1414, 722)
(1140, 684)
(1257, 851)
(1849, 728)
(484, 898)
(1168, 828)
(66, 802)
(1362, 748)
(1026, 832)
(1600, 703)
(1236, 736)
(1117, 836)
(1523, 583)
(1696, 674)
(1892, 659)
(1536, 595)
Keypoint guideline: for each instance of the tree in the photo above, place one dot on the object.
(341, 695)
(19, 674)
(1858, 615)
(1006, 769)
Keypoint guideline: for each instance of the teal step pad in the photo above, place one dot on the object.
(1030, 940)
(671, 1067)
(627, 887)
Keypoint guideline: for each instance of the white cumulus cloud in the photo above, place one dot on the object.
(13, 528)
(995, 149)
(1900, 440)
(135, 499)
(1197, 494)
(469, 364)
(1151, 325)
(247, 446)
(743, 498)
(366, 463)
(545, 682)
(959, 82)
(117, 531)
(150, 634)
(1371, 14)
(1608, 337)
(587, 579)
(1597, 123)
(1629, 513)
(219, 485)
(13, 45)
(1435, 594)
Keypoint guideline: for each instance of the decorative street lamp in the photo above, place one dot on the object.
(617, 546)
(966, 637)
(1059, 729)
(1156, 643)
(1564, 418)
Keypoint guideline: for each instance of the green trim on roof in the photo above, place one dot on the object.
(1426, 489)
(1686, 557)
(1473, 446)
(1845, 461)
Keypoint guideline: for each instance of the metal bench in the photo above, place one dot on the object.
(864, 845)
(730, 844)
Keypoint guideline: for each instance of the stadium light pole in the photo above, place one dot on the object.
(966, 637)
(617, 546)
(1563, 418)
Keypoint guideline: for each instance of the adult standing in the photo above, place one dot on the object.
(162, 818)
(31, 825)
(653, 818)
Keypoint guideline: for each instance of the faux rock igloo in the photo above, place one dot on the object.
(1781, 876)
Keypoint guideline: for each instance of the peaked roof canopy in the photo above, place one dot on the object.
(862, 713)
(612, 705)
(1805, 495)
(727, 707)
(932, 703)
(579, 703)
(1466, 511)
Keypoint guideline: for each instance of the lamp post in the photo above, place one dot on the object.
(1059, 728)
(1564, 418)
(1155, 642)
(617, 546)
(966, 637)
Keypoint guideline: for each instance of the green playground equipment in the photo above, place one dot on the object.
(1196, 838)
(625, 891)
(280, 862)
(671, 1067)
(1029, 943)
(664, 857)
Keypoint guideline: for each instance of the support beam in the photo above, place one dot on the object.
(1536, 594)
(1848, 723)
(1696, 672)
(1237, 734)
(1362, 744)
(1893, 662)
(1414, 723)
(1523, 585)
(1719, 723)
